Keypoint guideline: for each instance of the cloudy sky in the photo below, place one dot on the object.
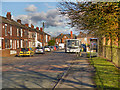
(37, 12)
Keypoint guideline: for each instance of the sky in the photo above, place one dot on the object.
(38, 12)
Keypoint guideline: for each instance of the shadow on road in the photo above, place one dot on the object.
(58, 52)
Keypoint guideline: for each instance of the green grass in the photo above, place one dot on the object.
(92, 54)
(107, 76)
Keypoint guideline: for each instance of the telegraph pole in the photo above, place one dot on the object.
(43, 34)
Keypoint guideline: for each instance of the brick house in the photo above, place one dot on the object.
(15, 35)
(60, 39)
(85, 38)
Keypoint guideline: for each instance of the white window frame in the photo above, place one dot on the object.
(17, 43)
(14, 44)
(46, 38)
(10, 43)
(21, 43)
(10, 30)
(21, 32)
(3, 26)
(5, 29)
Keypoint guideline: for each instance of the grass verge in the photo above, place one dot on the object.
(107, 76)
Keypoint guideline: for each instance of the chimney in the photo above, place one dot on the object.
(41, 29)
(26, 25)
(8, 15)
(32, 26)
(61, 33)
(37, 28)
(19, 21)
(71, 34)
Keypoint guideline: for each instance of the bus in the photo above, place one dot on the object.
(72, 45)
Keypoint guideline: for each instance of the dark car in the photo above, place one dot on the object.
(83, 46)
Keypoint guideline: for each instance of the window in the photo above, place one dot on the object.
(0, 44)
(46, 38)
(21, 43)
(14, 44)
(3, 26)
(17, 43)
(5, 29)
(21, 32)
(10, 30)
(17, 32)
(10, 43)
(6, 43)
(26, 33)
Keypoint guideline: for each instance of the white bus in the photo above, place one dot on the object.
(72, 45)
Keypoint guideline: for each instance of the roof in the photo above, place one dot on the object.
(20, 25)
(68, 35)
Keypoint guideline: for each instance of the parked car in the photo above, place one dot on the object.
(26, 52)
(54, 47)
(51, 48)
(47, 48)
(60, 47)
(83, 46)
(39, 50)
(57, 48)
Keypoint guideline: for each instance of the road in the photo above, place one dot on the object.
(41, 71)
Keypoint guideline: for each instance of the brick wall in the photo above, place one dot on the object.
(5, 53)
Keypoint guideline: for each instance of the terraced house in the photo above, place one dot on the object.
(15, 35)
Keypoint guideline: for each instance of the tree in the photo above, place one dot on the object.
(51, 43)
(98, 18)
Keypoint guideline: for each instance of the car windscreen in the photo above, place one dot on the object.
(37, 47)
(52, 47)
(24, 49)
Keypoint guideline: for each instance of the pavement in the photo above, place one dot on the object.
(51, 70)
(79, 76)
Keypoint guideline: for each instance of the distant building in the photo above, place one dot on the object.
(60, 39)
(85, 38)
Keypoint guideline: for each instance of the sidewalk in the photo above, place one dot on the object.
(79, 76)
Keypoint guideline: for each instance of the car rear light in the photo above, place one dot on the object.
(28, 49)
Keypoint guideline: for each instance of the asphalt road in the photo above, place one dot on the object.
(39, 71)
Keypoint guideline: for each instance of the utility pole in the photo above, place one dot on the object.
(43, 34)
